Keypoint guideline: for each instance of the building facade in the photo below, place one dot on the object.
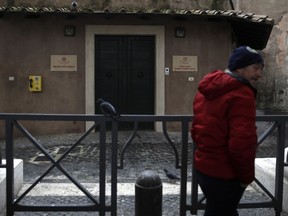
(61, 58)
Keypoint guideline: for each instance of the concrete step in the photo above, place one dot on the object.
(265, 173)
(18, 181)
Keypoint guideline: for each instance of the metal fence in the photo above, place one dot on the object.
(99, 204)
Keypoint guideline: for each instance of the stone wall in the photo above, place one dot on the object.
(273, 89)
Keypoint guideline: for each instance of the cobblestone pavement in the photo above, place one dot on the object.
(148, 151)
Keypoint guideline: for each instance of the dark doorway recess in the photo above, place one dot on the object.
(125, 74)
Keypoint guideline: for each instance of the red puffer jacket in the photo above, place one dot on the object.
(224, 128)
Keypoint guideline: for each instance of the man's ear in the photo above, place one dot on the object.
(238, 71)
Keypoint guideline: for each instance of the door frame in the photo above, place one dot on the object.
(157, 31)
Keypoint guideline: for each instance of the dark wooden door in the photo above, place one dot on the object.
(124, 73)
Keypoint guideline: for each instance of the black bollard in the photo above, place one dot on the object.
(148, 194)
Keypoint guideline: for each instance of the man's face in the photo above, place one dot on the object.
(251, 73)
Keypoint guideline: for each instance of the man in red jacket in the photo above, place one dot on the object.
(224, 131)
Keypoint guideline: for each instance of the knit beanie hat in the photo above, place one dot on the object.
(244, 56)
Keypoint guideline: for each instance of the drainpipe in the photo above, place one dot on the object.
(231, 4)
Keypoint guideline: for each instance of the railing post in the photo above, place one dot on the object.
(9, 168)
(148, 194)
(102, 169)
(184, 166)
(0, 155)
(280, 167)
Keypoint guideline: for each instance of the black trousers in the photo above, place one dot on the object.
(222, 196)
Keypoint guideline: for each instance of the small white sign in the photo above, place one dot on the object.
(63, 62)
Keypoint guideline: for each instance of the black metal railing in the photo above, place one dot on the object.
(99, 204)
(276, 199)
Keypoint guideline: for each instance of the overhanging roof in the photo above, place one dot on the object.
(249, 28)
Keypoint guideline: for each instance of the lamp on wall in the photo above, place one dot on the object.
(180, 32)
(69, 31)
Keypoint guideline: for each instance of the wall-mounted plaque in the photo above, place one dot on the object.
(63, 62)
(185, 63)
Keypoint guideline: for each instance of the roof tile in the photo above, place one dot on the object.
(229, 13)
(244, 24)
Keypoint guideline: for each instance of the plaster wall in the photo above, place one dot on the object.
(210, 44)
(273, 89)
(27, 45)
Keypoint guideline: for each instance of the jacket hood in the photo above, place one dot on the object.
(218, 83)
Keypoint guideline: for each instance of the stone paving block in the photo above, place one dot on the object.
(265, 173)
(18, 181)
